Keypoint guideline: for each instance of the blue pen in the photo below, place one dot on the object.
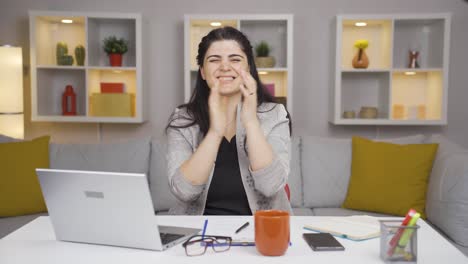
(242, 243)
(204, 228)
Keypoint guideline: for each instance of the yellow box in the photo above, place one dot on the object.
(398, 111)
(111, 104)
(421, 112)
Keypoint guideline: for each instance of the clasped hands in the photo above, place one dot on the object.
(216, 103)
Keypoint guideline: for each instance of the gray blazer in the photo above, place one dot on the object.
(264, 188)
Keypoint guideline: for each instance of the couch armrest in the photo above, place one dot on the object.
(447, 196)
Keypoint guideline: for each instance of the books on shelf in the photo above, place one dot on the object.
(111, 87)
(270, 88)
(357, 228)
(409, 112)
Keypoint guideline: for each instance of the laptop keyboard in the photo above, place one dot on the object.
(168, 238)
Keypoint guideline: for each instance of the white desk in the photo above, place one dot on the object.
(35, 243)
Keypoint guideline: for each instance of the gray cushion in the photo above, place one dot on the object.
(131, 156)
(343, 212)
(10, 224)
(163, 199)
(295, 175)
(6, 139)
(326, 168)
(302, 211)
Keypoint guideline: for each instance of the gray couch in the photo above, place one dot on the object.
(320, 171)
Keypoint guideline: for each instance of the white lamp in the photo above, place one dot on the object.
(11, 92)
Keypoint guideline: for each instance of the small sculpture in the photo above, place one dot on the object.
(413, 59)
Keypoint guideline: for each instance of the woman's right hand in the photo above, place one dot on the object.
(217, 111)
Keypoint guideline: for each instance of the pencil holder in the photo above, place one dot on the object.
(398, 244)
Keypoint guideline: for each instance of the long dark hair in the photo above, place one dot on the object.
(197, 107)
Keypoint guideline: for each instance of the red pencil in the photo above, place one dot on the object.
(396, 237)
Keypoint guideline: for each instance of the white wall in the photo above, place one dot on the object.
(313, 50)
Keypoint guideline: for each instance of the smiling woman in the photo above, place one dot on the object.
(224, 62)
(229, 145)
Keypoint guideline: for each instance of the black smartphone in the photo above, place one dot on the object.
(322, 242)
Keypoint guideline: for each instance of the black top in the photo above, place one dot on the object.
(226, 195)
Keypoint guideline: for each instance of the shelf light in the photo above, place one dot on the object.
(262, 73)
(360, 24)
(410, 73)
(215, 24)
(116, 71)
(67, 21)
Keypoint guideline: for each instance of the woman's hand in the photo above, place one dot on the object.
(248, 88)
(217, 111)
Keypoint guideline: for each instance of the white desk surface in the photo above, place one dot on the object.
(35, 243)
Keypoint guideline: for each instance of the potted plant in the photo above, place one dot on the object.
(115, 48)
(263, 58)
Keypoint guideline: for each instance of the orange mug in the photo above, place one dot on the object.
(271, 232)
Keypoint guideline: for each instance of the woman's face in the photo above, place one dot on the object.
(223, 61)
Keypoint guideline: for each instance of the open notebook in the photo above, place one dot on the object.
(358, 227)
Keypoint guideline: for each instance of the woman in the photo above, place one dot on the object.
(228, 147)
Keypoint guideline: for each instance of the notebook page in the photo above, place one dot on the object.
(228, 227)
(353, 227)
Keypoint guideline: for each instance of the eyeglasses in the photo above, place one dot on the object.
(196, 245)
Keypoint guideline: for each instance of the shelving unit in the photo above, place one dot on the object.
(275, 29)
(48, 80)
(402, 95)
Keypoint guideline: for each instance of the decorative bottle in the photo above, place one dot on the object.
(69, 101)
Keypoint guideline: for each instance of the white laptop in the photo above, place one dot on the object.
(106, 208)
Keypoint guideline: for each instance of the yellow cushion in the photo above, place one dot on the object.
(389, 178)
(20, 192)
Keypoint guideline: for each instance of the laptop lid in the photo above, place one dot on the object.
(109, 208)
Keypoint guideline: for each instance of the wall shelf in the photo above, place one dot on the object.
(48, 80)
(60, 67)
(365, 70)
(402, 95)
(276, 29)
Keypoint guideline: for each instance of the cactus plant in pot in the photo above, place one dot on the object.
(263, 58)
(115, 48)
(80, 55)
(62, 54)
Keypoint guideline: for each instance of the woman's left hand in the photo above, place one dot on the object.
(248, 88)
